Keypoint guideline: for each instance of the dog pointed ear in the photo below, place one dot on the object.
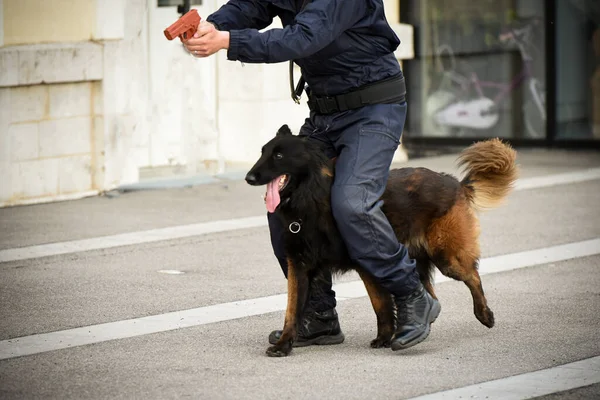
(284, 130)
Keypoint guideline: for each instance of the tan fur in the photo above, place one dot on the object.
(327, 172)
(490, 170)
(417, 242)
(292, 300)
(456, 233)
(456, 237)
(383, 306)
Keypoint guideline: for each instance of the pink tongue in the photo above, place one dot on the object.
(273, 195)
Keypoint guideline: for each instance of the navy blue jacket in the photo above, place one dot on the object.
(338, 44)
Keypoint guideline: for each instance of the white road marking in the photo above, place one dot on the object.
(529, 385)
(204, 228)
(558, 179)
(44, 342)
(132, 238)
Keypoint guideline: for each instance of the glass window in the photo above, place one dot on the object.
(170, 3)
(577, 69)
(479, 68)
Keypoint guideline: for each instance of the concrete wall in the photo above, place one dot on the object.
(35, 21)
(47, 131)
(62, 90)
(46, 100)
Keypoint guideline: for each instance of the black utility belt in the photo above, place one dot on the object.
(389, 91)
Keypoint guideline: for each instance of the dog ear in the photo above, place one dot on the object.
(284, 130)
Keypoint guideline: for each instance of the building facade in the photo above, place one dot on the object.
(524, 70)
(93, 97)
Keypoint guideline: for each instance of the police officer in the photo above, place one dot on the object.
(356, 96)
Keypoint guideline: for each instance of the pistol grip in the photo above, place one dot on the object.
(187, 34)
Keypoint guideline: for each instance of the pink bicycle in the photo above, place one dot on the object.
(459, 102)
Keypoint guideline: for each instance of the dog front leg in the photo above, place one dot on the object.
(298, 284)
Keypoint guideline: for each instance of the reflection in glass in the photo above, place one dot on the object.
(479, 69)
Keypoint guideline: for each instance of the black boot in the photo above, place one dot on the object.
(415, 313)
(315, 328)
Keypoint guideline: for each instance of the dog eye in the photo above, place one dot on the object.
(278, 156)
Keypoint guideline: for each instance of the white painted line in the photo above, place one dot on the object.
(171, 272)
(558, 179)
(132, 238)
(530, 385)
(44, 342)
(204, 228)
(50, 199)
(503, 263)
(86, 335)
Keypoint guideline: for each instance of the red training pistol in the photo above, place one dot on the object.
(184, 27)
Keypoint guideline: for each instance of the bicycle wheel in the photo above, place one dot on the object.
(534, 111)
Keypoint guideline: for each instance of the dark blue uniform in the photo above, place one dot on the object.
(340, 45)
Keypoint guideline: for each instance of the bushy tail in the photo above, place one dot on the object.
(490, 170)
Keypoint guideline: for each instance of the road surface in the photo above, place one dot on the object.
(172, 294)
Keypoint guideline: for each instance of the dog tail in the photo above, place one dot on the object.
(491, 172)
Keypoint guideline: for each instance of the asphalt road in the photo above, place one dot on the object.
(546, 313)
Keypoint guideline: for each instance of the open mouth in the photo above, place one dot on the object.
(272, 198)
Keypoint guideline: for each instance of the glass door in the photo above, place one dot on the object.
(577, 70)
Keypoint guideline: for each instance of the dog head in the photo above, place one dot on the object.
(283, 164)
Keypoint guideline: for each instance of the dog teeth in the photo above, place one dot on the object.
(282, 181)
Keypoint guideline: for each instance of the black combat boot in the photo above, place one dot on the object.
(315, 328)
(415, 313)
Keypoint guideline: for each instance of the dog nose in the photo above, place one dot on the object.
(251, 178)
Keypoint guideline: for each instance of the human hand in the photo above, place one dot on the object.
(207, 40)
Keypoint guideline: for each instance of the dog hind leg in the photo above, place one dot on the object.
(382, 304)
(465, 270)
(425, 270)
(453, 246)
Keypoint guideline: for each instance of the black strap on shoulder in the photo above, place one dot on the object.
(297, 90)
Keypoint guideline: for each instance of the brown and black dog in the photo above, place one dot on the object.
(433, 214)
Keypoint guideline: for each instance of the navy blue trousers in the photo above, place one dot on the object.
(364, 141)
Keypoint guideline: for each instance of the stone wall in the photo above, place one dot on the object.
(47, 132)
(72, 112)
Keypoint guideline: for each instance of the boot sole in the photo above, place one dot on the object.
(436, 308)
(319, 340)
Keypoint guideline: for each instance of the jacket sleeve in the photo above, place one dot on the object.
(313, 29)
(242, 14)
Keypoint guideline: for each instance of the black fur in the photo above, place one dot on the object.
(431, 214)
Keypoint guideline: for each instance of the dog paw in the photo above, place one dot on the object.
(380, 342)
(279, 351)
(486, 317)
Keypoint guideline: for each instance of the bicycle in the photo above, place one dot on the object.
(460, 103)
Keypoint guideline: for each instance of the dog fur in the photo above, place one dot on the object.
(433, 214)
